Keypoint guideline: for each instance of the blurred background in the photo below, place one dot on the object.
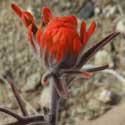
(93, 102)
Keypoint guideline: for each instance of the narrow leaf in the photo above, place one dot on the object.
(85, 56)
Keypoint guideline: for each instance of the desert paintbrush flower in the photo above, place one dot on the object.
(60, 46)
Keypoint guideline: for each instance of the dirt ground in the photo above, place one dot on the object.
(101, 99)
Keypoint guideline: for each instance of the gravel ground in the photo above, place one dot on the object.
(89, 101)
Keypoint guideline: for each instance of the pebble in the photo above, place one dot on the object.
(120, 26)
(45, 98)
(102, 58)
(105, 96)
(32, 82)
(87, 10)
(108, 96)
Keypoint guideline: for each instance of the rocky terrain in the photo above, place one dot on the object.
(98, 100)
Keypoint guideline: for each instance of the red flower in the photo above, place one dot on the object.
(59, 44)
(57, 34)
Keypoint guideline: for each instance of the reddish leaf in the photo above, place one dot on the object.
(46, 15)
(84, 57)
(16, 9)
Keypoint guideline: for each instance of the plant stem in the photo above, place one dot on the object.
(8, 76)
(54, 108)
(4, 110)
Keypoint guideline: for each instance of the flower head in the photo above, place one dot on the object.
(57, 34)
(60, 46)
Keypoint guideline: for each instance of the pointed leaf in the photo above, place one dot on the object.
(47, 15)
(16, 9)
(83, 32)
(84, 57)
(91, 30)
(99, 68)
(44, 58)
(29, 35)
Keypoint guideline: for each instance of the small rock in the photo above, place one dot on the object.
(109, 11)
(79, 109)
(45, 98)
(105, 96)
(120, 27)
(87, 10)
(97, 10)
(108, 96)
(103, 58)
(32, 82)
(94, 104)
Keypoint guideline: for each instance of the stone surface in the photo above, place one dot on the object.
(32, 82)
(120, 27)
(116, 116)
(102, 58)
(45, 98)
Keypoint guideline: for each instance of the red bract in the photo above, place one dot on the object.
(60, 46)
(57, 34)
